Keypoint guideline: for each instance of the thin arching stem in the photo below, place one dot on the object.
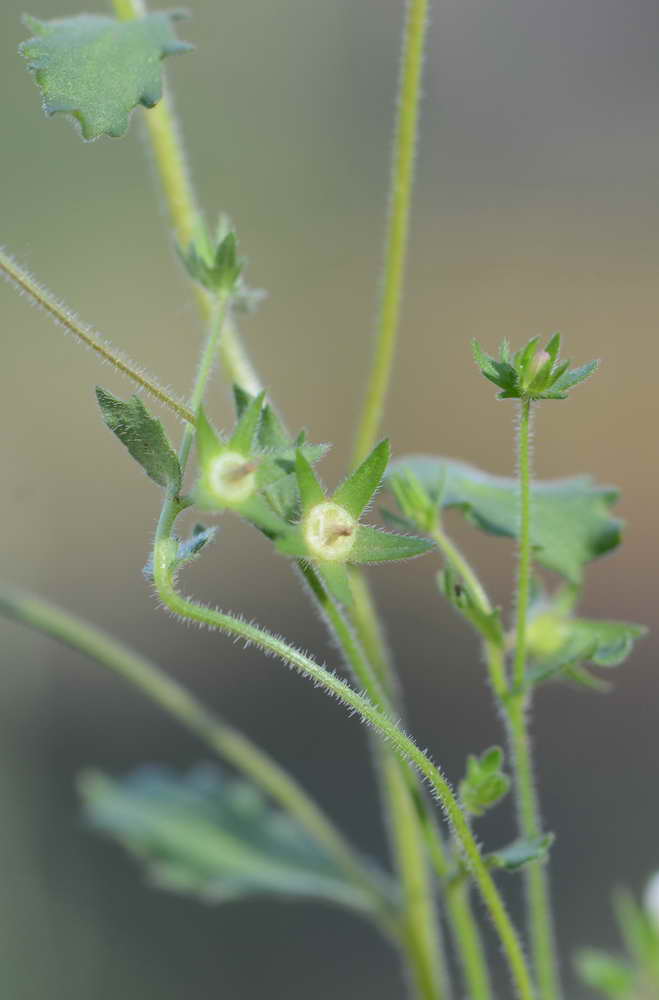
(63, 316)
(400, 197)
(229, 743)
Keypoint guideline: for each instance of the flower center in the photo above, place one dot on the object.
(329, 531)
(232, 477)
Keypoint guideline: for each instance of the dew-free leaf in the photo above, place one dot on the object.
(98, 69)
(571, 519)
(211, 837)
(612, 976)
(143, 435)
(485, 783)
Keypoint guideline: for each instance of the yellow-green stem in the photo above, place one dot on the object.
(422, 931)
(171, 165)
(524, 551)
(402, 182)
(230, 744)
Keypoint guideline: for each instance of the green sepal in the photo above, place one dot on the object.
(258, 512)
(612, 976)
(311, 492)
(357, 491)
(532, 373)
(373, 545)
(291, 543)
(208, 442)
(559, 644)
(98, 69)
(217, 268)
(520, 853)
(335, 577)
(571, 523)
(243, 439)
(214, 838)
(144, 437)
(489, 625)
(485, 783)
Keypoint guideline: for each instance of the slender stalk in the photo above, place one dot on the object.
(172, 168)
(63, 316)
(494, 654)
(402, 182)
(213, 618)
(541, 929)
(468, 942)
(524, 554)
(422, 932)
(230, 744)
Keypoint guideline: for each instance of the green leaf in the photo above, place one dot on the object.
(521, 852)
(571, 520)
(484, 784)
(211, 837)
(357, 491)
(98, 69)
(610, 975)
(311, 492)
(144, 437)
(373, 545)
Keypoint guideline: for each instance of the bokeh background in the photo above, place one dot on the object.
(537, 209)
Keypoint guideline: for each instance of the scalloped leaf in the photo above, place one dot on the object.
(98, 69)
(215, 838)
(571, 522)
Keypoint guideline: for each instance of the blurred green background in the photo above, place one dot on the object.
(537, 209)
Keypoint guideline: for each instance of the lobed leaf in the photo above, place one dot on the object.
(211, 837)
(143, 435)
(98, 69)
(571, 520)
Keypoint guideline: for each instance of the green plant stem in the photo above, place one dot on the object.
(468, 942)
(164, 554)
(422, 931)
(494, 654)
(187, 220)
(43, 299)
(541, 930)
(230, 744)
(402, 182)
(524, 554)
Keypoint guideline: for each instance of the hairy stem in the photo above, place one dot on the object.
(541, 929)
(187, 220)
(230, 744)
(63, 316)
(422, 932)
(402, 182)
(369, 713)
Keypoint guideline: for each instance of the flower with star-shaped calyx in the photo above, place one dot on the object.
(531, 373)
(235, 471)
(329, 534)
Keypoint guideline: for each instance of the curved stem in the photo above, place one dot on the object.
(229, 743)
(422, 931)
(402, 182)
(45, 300)
(539, 910)
(369, 713)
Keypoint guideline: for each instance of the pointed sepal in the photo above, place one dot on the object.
(357, 491)
(373, 545)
